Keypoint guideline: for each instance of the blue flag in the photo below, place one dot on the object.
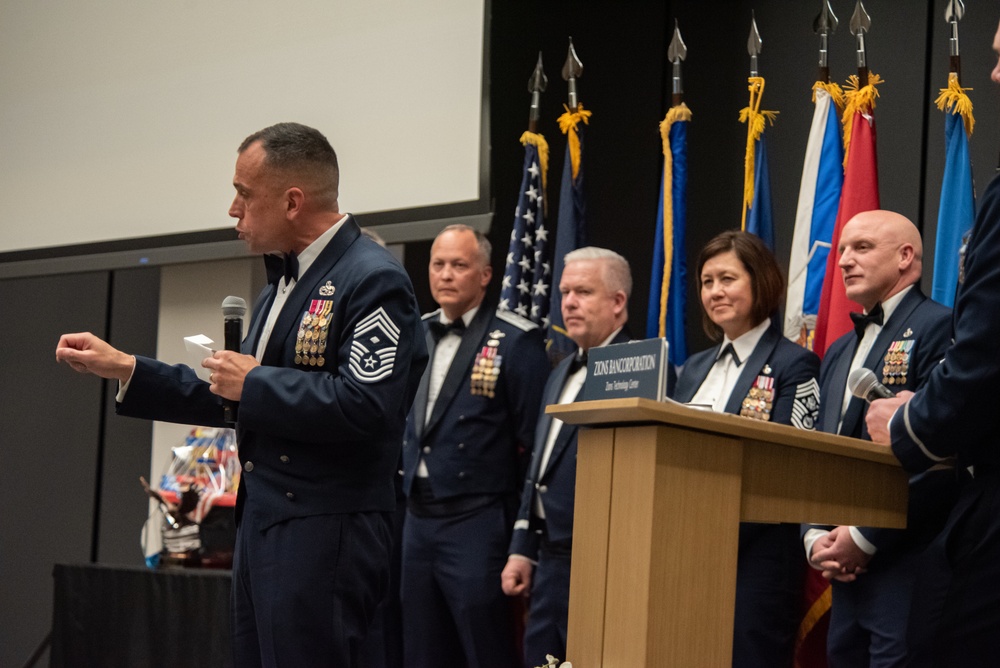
(665, 316)
(570, 229)
(759, 219)
(527, 272)
(956, 210)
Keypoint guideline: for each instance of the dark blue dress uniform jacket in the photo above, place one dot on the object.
(313, 439)
(770, 565)
(473, 444)
(557, 484)
(956, 414)
(926, 324)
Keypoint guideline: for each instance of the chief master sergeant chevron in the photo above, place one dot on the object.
(473, 418)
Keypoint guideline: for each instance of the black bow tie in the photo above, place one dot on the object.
(862, 320)
(439, 329)
(278, 266)
(729, 350)
(579, 362)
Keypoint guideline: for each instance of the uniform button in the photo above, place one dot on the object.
(290, 495)
(537, 486)
(543, 489)
(461, 474)
(461, 417)
(284, 459)
(427, 449)
(461, 445)
(248, 467)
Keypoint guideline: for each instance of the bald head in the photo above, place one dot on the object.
(880, 254)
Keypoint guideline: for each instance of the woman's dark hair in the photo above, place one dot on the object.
(766, 282)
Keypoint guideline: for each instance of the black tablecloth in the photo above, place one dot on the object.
(120, 616)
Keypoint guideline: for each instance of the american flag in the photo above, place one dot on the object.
(527, 277)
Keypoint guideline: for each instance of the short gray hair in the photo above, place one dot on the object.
(618, 275)
(483, 244)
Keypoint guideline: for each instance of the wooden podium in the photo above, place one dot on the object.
(660, 490)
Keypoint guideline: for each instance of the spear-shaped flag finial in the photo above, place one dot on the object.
(536, 86)
(953, 13)
(753, 44)
(861, 23)
(677, 52)
(825, 25)
(571, 71)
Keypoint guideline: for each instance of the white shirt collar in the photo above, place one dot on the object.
(745, 343)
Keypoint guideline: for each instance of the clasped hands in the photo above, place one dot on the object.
(839, 556)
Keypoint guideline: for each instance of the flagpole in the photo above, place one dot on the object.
(956, 209)
(756, 213)
(526, 280)
(570, 232)
(667, 288)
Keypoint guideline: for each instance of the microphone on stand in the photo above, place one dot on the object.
(864, 384)
(233, 310)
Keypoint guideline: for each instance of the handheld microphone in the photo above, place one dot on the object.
(233, 310)
(863, 384)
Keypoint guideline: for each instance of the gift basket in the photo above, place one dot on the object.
(195, 502)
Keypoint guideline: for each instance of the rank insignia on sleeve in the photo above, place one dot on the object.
(805, 408)
(327, 290)
(759, 400)
(314, 328)
(373, 349)
(486, 368)
(896, 363)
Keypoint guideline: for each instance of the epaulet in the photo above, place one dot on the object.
(432, 314)
(516, 320)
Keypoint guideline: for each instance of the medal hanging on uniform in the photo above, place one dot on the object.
(759, 400)
(314, 328)
(486, 370)
(896, 363)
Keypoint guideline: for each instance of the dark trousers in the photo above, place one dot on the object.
(956, 608)
(868, 617)
(769, 577)
(451, 595)
(548, 613)
(305, 590)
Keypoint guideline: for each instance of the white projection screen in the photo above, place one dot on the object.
(120, 119)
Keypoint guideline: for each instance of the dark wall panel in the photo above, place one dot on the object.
(49, 439)
(135, 307)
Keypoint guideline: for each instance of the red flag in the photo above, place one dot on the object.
(860, 194)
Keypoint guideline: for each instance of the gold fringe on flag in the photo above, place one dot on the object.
(538, 141)
(675, 114)
(954, 100)
(755, 119)
(816, 611)
(858, 99)
(835, 92)
(567, 122)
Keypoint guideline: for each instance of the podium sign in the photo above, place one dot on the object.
(631, 369)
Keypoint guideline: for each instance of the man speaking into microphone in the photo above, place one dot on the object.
(325, 377)
(899, 338)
